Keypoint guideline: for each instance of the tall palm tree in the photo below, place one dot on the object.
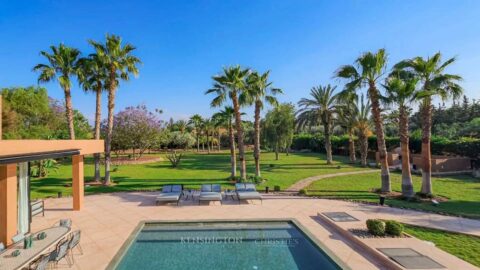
(208, 128)
(120, 63)
(259, 90)
(230, 85)
(348, 118)
(196, 121)
(225, 118)
(431, 72)
(321, 108)
(62, 65)
(92, 76)
(401, 91)
(369, 68)
(363, 127)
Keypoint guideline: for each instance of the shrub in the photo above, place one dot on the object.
(394, 228)
(255, 179)
(303, 192)
(175, 158)
(376, 227)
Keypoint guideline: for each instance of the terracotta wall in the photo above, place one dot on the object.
(444, 163)
(392, 158)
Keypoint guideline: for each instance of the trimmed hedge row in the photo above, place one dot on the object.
(467, 147)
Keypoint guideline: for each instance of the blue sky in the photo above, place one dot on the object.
(183, 43)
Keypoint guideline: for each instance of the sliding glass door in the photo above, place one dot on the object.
(23, 198)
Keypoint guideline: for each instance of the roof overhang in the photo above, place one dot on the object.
(37, 156)
(14, 151)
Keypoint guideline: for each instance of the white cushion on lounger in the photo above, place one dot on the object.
(249, 195)
(210, 196)
(168, 196)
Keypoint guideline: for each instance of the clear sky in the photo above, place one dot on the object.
(183, 43)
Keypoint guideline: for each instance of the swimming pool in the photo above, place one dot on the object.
(275, 244)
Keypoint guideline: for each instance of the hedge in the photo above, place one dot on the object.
(467, 147)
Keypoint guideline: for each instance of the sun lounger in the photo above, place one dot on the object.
(247, 192)
(210, 193)
(170, 193)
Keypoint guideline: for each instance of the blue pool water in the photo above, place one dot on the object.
(272, 245)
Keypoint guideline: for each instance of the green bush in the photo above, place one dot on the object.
(467, 147)
(376, 227)
(303, 192)
(393, 227)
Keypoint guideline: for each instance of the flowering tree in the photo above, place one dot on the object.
(135, 128)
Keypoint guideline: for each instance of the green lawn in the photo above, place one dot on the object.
(463, 192)
(194, 170)
(465, 247)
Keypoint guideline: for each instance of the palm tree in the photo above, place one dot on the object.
(401, 91)
(436, 82)
(120, 63)
(208, 127)
(181, 125)
(368, 69)
(321, 108)
(225, 118)
(62, 65)
(92, 76)
(348, 118)
(258, 91)
(230, 85)
(363, 127)
(196, 121)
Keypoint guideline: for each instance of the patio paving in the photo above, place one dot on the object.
(108, 219)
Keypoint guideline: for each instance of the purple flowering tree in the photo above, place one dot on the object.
(134, 128)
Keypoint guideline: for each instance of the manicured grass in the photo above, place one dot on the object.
(194, 170)
(465, 247)
(463, 192)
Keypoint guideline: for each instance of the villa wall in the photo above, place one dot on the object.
(392, 158)
(443, 163)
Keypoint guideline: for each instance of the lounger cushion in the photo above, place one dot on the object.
(216, 188)
(206, 188)
(239, 187)
(176, 188)
(167, 188)
(210, 196)
(168, 196)
(250, 195)
(250, 187)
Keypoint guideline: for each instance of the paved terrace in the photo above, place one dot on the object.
(107, 220)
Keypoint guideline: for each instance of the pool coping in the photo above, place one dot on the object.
(314, 240)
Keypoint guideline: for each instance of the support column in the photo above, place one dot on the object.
(77, 182)
(8, 203)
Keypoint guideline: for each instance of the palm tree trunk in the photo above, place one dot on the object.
(276, 151)
(241, 146)
(69, 113)
(198, 142)
(363, 148)
(108, 139)
(233, 155)
(98, 119)
(212, 144)
(256, 151)
(328, 142)
(382, 149)
(407, 184)
(219, 138)
(208, 142)
(426, 151)
(351, 147)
